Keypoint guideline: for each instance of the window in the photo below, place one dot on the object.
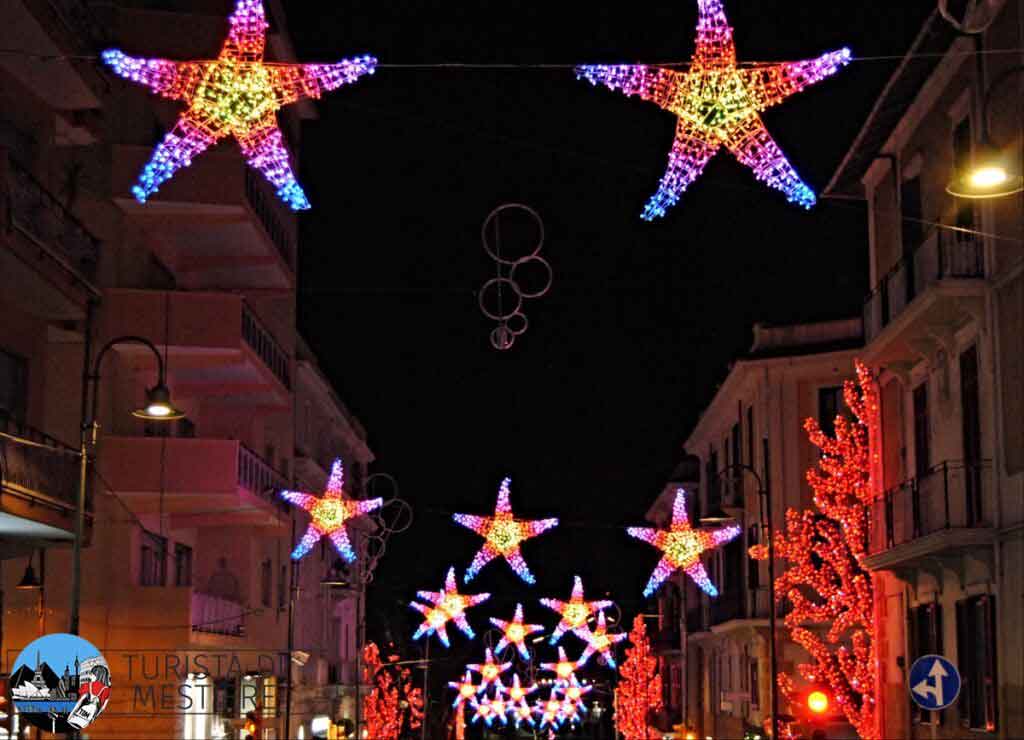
(266, 578)
(976, 655)
(750, 437)
(963, 138)
(182, 565)
(913, 233)
(755, 685)
(13, 385)
(737, 444)
(830, 405)
(925, 630)
(970, 403)
(922, 431)
(153, 563)
(714, 494)
(753, 566)
(282, 588)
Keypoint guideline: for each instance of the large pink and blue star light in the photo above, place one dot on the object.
(330, 515)
(601, 641)
(682, 547)
(443, 607)
(237, 94)
(503, 534)
(719, 104)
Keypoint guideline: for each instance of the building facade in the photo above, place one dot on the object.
(943, 332)
(751, 434)
(188, 588)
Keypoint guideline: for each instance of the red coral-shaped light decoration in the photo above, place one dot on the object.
(639, 691)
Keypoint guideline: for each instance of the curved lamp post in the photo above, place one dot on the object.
(765, 498)
(158, 408)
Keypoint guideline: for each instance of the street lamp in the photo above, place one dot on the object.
(993, 174)
(765, 498)
(158, 408)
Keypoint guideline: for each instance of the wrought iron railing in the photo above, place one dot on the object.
(217, 616)
(263, 344)
(43, 218)
(944, 255)
(949, 496)
(265, 207)
(39, 465)
(257, 476)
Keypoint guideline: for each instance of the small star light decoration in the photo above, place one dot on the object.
(550, 710)
(719, 104)
(575, 612)
(503, 534)
(443, 607)
(602, 642)
(518, 693)
(514, 632)
(564, 668)
(465, 690)
(237, 94)
(682, 547)
(490, 671)
(330, 515)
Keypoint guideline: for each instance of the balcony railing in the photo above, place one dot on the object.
(41, 217)
(40, 466)
(949, 496)
(216, 616)
(944, 255)
(258, 477)
(264, 208)
(263, 344)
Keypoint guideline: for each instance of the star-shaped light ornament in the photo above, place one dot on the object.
(550, 710)
(490, 671)
(564, 668)
(517, 692)
(515, 632)
(601, 641)
(237, 94)
(717, 103)
(682, 547)
(443, 607)
(465, 690)
(485, 710)
(330, 514)
(503, 534)
(575, 612)
(521, 713)
(572, 690)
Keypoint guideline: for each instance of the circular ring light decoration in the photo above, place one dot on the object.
(718, 104)
(330, 515)
(503, 535)
(511, 323)
(237, 94)
(445, 606)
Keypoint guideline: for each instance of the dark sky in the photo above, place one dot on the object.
(588, 412)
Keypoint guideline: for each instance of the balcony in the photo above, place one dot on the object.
(213, 615)
(220, 225)
(945, 511)
(50, 258)
(198, 482)
(38, 486)
(925, 299)
(232, 357)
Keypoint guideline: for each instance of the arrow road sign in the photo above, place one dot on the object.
(934, 682)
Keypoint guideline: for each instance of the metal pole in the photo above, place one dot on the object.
(426, 691)
(76, 555)
(683, 637)
(293, 573)
(773, 655)
(360, 624)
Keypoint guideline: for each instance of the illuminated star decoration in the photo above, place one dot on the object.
(718, 104)
(550, 711)
(518, 692)
(503, 534)
(521, 712)
(447, 605)
(490, 671)
(330, 515)
(237, 94)
(575, 612)
(515, 632)
(573, 690)
(485, 710)
(601, 641)
(465, 690)
(564, 668)
(682, 547)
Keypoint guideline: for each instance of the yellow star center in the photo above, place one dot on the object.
(574, 693)
(683, 548)
(490, 672)
(713, 99)
(515, 633)
(453, 604)
(235, 96)
(468, 690)
(329, 513)
(564, 670)
(576, 614)
(601, 641)
(504, 535)
(436, 618)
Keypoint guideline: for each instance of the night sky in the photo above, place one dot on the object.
(589, 411)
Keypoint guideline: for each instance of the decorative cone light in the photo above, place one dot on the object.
(158, 406)
(29, 581)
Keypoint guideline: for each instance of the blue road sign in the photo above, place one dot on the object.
(934, 682)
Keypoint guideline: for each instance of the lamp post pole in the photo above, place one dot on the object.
(765, 501)
(158, 399)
